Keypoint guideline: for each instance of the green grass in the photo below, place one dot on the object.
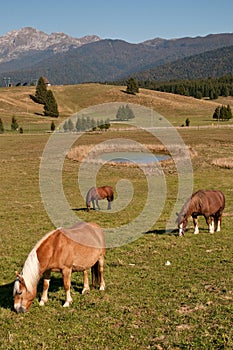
(147, 304)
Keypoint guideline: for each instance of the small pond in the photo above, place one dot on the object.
(133, 157)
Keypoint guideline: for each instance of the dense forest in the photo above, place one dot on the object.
(198, 88)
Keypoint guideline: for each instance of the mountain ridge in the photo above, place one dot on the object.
(16, 42)
(96, 59)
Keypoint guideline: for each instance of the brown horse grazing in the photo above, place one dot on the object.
(97, 193)
(209, 203)
(65, 250)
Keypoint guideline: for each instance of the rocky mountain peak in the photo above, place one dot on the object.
(17, 42)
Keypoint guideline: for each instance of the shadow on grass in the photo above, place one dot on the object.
(162, 232)
(80, 209)
(6, 296)
(56, 284)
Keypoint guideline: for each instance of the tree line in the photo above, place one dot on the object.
(210, 88)
(85, 124)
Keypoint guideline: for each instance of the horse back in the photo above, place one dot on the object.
(106, 192)
(209, 201)
(78, 248)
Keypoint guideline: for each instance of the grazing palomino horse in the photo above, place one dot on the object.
(209, 203)
(97, 193)
(65, 250)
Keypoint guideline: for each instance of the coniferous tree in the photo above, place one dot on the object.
(53, 126)
(14, 124)
(41, 91)
(132, 86)
(50, 106)
(65, 126)
(1, 127)
(70, 125)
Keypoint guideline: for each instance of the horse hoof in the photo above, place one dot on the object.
(102, 287)
(85, 290)
(42, 303)
(67, 304)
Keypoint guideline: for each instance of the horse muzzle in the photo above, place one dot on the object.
(19, 309)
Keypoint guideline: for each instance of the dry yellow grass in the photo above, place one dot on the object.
(73, 98)
(226, 163)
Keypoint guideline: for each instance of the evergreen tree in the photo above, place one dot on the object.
(65, 126)
(132, 86)
(93, 124)
(78, 124)
(70, 125)
(1, 127)
(50, 106)
(229, 112)
(53, 126)
(14, 124)
(129, 112)
(41, 91)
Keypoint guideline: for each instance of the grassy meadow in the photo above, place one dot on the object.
(147, 304)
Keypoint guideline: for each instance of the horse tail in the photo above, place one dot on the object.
(95, 274)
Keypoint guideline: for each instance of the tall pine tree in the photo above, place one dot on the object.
(50, 106)
(41, 91)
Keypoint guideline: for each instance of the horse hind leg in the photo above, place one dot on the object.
(97, 203)
(101, 272)
(98, 273)
(109, 204)
(86, 287)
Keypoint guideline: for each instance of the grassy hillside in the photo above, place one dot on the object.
(15, 101)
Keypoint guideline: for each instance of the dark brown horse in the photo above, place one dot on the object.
(97, 193)
(66, 250)
(208, 203)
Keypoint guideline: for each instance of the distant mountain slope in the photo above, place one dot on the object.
(213, 64)
(102, 60)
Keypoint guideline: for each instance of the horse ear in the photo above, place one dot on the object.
(19, 276)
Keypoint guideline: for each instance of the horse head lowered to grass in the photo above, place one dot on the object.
(97, 193)
(78, 248)
(208, 203)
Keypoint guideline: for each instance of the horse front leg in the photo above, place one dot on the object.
(195, 223)
(109, 204)
(218, 222)
(46, 281)
(66, 273)
(210, 223)
(86, 287)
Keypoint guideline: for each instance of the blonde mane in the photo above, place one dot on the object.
(31, 268)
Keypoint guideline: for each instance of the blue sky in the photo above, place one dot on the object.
(133, 21)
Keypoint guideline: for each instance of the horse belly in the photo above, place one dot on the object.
(85, 259)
